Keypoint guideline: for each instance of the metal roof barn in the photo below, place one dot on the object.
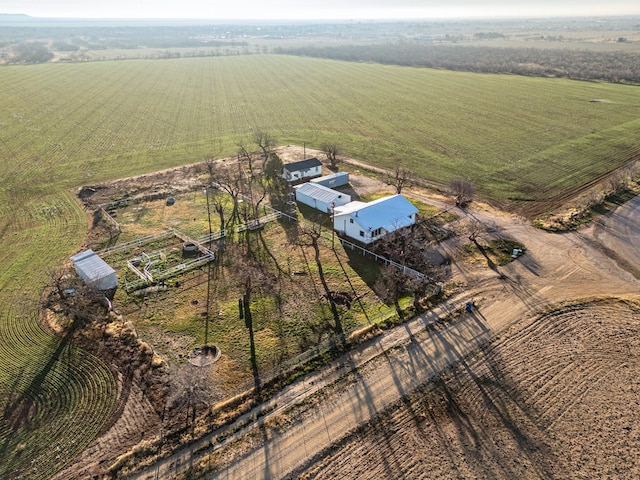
(320, 197)
(334, 180)
(95, 272)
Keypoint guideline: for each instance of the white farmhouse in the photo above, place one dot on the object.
(302, 170)
(367, 222)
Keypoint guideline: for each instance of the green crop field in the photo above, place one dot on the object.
(65, 125)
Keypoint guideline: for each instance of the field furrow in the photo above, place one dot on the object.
(561, 410)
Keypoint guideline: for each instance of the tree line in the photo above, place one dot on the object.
(616, 67)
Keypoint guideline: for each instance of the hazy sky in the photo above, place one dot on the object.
(316, 9)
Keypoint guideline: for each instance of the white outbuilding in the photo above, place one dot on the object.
(369, 221)
(334, 180)
(320, 197)
(302, 170)
(95, 272)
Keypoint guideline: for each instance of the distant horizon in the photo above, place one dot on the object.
(301, 19)
(317, 10)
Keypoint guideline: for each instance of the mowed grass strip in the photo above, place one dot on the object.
(67, 125)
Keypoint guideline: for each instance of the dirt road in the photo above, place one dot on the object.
(312, 419)
(556, 268)
(616, 232)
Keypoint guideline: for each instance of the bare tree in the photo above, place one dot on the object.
(257, 187)
(267, 142)
(390, 286)
(410, 248)
(277, 186)
(273, 167)
(71, 297)
(245, 155)
(217, 203)
(399, 178)
(331, 150)
(463, 191)
(310, 236)
(189, 387)
(255, 192)
(214, 195)
(231, 179)
(474, 230)
(617, 182)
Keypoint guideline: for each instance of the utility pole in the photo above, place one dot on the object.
(205, 190)
(333, 230)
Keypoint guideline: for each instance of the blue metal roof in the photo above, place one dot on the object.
(389, 213)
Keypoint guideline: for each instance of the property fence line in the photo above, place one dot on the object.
(212, 237)
(302, 358)
(147, 276)
(165, 274)
(138, 241)
(281, 213)
(106, 215)
(143, 275)
(259, 222)
(161, 236)
(186, 239)
(378, 258)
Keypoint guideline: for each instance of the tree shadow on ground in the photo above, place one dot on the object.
(485, 405)
(367, 268)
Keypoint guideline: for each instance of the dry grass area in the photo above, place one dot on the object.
(171, 319)
(556, 397)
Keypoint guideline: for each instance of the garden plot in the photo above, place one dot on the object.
(156, 258)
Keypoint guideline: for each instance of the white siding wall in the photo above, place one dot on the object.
(297, 175)
(343, 224)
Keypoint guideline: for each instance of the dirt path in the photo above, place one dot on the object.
(566, 275)
(569, 410)
(613, 231)
(292, 439)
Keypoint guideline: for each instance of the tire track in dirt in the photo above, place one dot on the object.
(536, 404)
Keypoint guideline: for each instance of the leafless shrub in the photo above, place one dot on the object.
(462, 190)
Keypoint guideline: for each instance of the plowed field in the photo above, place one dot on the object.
(556, 397)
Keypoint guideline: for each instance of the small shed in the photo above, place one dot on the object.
(367, 222)
(95, 272)
(302, 170)
(338, 179)
(320, 197)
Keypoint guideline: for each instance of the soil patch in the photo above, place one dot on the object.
(567, 408)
